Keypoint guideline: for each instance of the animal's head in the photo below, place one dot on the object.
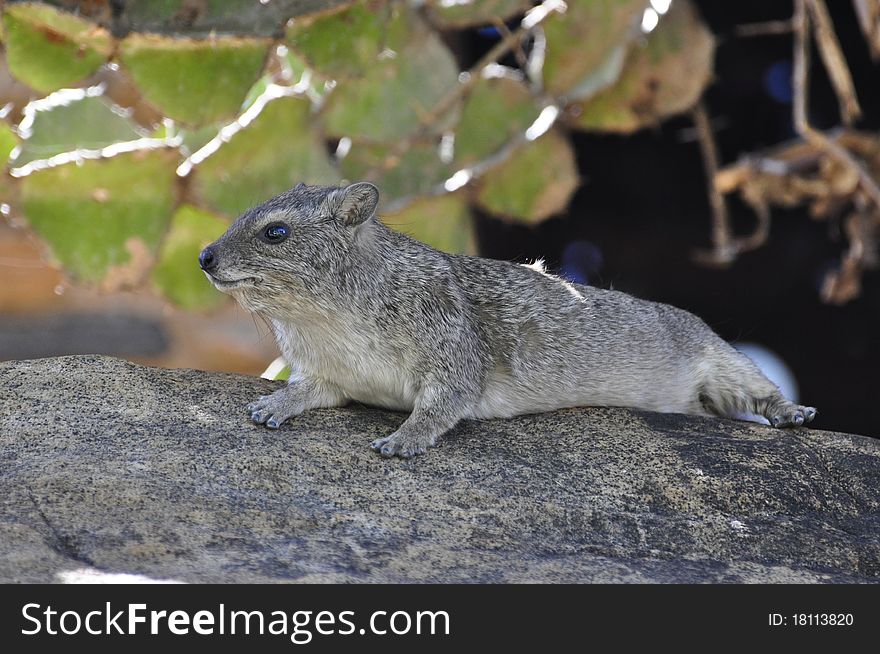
(289, 246)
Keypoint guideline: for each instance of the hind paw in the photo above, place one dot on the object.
(792, 415)
(399, 445)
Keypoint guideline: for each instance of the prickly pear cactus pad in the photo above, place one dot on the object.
(130, 137)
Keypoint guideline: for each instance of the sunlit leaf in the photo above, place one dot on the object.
(48, 49)
(495, 111)
(279, 149)
(88, 124)
(343, 41)
(475, 12)
(194, 81)
(661, 78)
(581, 40)
(193, 138)
(300, 73)
(257, 90)
(415, 171)
(443, 222)
(536, 182)
(8, 141)
(292, 69)
(297, 69)
(103, 219)
(176, 273)
(278, 370)
(396, 93)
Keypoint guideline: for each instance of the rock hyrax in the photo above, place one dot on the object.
(365, 313)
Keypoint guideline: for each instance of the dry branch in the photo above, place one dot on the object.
(726, 247)
(801, 122)
(767, 28)
(835, 173)
(832, 57)
(868, 12)
(723, 251)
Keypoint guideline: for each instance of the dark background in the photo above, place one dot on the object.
(642, 211)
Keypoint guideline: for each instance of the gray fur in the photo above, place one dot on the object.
(364, 313)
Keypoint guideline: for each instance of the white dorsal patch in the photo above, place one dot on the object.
(539, 267)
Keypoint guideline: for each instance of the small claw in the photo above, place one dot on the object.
(271, 423)
(389, 447)
(257, 417)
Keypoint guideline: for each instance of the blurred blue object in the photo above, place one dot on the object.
(777, 81)
(581, 261)
(489, 32)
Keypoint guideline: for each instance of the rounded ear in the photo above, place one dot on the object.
(354, 204)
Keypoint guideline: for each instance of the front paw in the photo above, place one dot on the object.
(272, 410)
(404, 446)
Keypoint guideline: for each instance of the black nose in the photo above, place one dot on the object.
(207, 259)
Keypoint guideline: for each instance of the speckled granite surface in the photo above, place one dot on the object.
(112, 467)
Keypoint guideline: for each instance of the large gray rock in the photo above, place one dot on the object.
(112, 467)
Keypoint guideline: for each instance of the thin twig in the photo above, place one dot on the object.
(521, 59)
(791, 158)
(761, 233)
(722, 237)
(868, 12)
(845, 284)
(767, 28)
(801, 123)
(473, 171)
(500, 49)
(835, 63)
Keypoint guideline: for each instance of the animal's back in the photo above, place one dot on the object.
(555, 344)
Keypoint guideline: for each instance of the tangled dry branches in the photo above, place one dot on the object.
(835, 174)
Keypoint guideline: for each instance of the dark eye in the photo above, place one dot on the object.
(275, 233)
